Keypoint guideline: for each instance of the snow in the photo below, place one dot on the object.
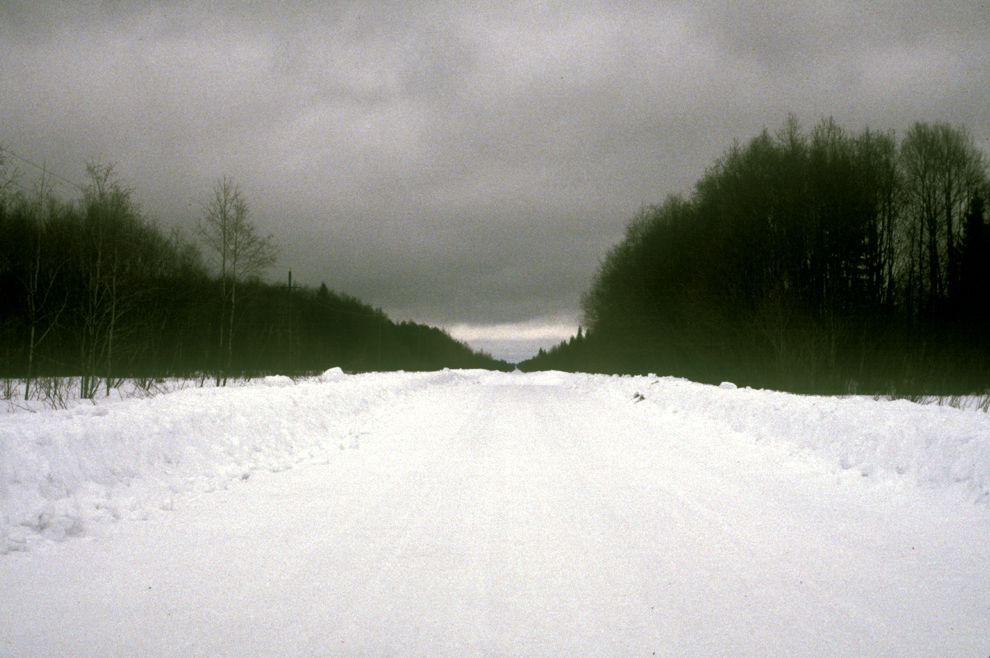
(332, 375)
(469, 512)
(932, 445)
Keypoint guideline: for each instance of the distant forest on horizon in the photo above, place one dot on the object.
(92, 288)
(827, 262)
(823, 261)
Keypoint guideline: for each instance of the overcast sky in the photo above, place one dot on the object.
(453, 163)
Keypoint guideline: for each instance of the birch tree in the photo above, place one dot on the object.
(240, 253)
(109, 218)
(45, 300)
(943, 171)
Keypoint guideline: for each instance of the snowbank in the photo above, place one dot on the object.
(61, 471)
(932, 445)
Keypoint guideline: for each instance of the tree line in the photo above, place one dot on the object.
(814, 262)
(93, 288)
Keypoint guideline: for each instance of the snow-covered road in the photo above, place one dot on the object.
(547, 514)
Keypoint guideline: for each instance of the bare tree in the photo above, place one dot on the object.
(8, 179)
(240, 254)
(943, 170)
(7, 320)
(110, 217)
(43, 309)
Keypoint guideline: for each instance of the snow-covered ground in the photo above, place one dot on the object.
(469, 512)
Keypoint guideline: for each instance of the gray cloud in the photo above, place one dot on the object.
(455, 163)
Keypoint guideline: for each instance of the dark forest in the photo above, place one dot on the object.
(825, 262)
(94, 289)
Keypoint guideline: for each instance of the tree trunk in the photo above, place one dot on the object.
(111, 327)
(230, 330)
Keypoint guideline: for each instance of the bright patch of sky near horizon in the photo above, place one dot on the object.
(515, 341)
(454, 163)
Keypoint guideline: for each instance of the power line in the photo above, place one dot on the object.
(43, 169)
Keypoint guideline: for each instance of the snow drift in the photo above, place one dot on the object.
(930, 445)
(62, 471)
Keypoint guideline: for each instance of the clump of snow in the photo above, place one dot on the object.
(549, 378)
(277, 380)
(332, 375)
(729, 386)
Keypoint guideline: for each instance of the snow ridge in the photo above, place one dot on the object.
(62, 471)
(934, 446)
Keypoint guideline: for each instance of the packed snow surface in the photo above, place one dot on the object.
(469, 512)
